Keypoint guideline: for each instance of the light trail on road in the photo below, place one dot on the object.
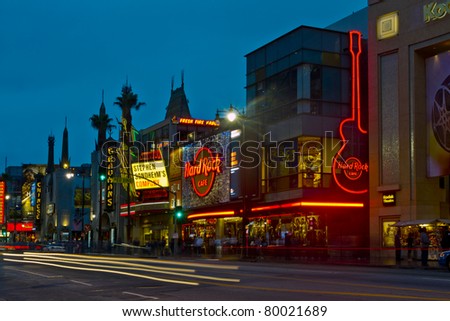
(117, 266)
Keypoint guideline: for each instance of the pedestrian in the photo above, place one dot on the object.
(410, 244)
(445, 242)
(424, 244)
(398, 246)
(198, 243)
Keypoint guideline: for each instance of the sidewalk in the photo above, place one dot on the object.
(373, 262)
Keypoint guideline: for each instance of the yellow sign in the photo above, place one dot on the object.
(387, 25)
(389, 199)
(150, 175)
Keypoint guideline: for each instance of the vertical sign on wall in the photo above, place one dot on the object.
(2, 201)
(38, 202)
(349, 171)
(110, 179)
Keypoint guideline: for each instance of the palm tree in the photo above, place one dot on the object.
(127, 101)
(102, 123)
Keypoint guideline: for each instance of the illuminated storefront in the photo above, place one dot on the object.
(209, 193)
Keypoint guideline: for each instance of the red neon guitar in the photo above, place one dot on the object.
(348, 170)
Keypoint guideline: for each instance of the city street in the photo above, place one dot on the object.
(42, 276)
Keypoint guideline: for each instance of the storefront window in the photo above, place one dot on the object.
(303, 229)
(295, 164)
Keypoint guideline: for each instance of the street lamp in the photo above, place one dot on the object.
(233, 115)
(80, 172)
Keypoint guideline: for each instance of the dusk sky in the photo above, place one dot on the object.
(57, 56)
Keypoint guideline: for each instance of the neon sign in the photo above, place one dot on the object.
(38, 200)
(352, 167)
(195, 122)
(203, 171)
(109, 179)
(2, 201)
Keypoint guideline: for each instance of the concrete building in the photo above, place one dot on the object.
(409, 69)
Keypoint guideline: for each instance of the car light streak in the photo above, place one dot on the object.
(105, 271)
(122, 259)
(28, 257)
(144, 266)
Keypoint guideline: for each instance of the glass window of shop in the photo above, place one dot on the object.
(226, 232)
(306, 229)
(298, 163)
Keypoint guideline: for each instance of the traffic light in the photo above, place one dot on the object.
(3, 233)
(179, 214)
(102, 173)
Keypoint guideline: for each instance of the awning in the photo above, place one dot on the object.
(422, 222)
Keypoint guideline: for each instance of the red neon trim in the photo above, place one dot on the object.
(126, 205)
(306, 203)
(265, 208)
(332, 204)
(211, 214)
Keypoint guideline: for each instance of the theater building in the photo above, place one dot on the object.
(156, 173)
(409, 79)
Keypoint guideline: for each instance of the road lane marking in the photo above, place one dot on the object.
(141, 296)
(79, 282)
(37, 274)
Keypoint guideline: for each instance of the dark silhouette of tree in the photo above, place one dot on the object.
(127, 101)
(102, 123)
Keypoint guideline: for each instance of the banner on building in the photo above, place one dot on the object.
(438, 107)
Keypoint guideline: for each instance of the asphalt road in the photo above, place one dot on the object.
(67, 277)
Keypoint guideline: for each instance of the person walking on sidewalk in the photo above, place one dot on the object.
(424, 244)
(398, 246)
(445, 243)
(410, 242)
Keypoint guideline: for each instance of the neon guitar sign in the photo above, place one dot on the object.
(352, 167)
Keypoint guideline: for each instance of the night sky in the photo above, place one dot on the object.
(56, 58)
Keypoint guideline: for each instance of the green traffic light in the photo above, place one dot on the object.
(179, 212)
(102, 177)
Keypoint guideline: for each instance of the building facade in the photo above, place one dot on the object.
(409, 64)
(306, 98)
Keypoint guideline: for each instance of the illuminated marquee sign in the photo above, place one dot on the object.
(2, 201)
(150, 175)
(109, 179)
(352, 167)
(38, 200)
(203, 171)
(434, 11)
(195, 122)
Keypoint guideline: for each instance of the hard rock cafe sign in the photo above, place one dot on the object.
(351, 166)
(203, 170)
